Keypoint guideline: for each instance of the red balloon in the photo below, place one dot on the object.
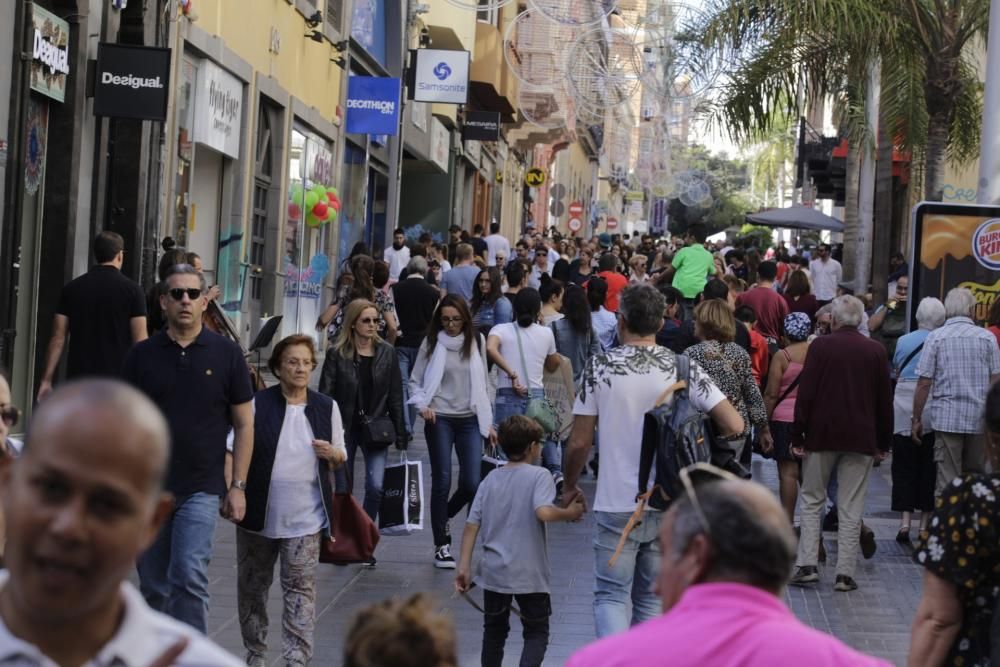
(294, 212)
(335, 204)
(331, 196)
(320, 210)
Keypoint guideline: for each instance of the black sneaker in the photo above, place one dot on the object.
(443, 559)
(370, 563)
(868, 545)
(807, 574)
(845, 584)
(903, 537)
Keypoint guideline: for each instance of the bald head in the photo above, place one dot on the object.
(105, 411)
(750, 539)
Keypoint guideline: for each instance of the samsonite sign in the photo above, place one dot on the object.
(441, 76)
(132, 81)
(372, 105)
(49, 53)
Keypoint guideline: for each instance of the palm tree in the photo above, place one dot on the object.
(931, 95)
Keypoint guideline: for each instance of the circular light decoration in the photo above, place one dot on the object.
(534, 47)
(542, 106)
(575, 12)
(670, 61)
(479, 5)
(600, 66)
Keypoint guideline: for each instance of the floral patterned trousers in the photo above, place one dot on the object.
(256, 556)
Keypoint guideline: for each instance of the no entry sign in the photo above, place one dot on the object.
(576, 210)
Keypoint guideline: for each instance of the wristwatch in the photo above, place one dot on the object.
(238, 484)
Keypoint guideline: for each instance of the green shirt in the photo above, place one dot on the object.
(692, 265)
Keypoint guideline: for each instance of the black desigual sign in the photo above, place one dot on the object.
(132, 81)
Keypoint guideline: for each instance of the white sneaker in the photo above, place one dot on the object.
(443, 559)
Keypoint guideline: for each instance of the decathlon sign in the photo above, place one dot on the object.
(440, 76)
(372, 105)
(132, 81)
(49, 54)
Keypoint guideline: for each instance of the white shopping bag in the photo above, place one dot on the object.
(402, 508)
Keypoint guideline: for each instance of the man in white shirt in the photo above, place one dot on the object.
(826, 274)
(496, 242)
(82, 502)
(620, 386)
(543, 264)
(397, 256)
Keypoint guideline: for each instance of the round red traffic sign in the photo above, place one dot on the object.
(575, 210)
(575, 225)
(612, 223)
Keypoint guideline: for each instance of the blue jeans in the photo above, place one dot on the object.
(633, 575)
(374, 472)
(407, 358)
(509, 403)
(173, 572)
(552, 457)
(463, 433)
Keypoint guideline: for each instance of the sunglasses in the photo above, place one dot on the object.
(696, 475)
(10, 415)
(177, 293)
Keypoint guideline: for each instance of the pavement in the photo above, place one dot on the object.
(875, 619)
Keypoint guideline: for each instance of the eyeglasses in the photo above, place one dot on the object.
(450, 320)
(177, 293)
(10, 415)
(695, 475)
(367, 320)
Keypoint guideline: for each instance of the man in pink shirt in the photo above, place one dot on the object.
(726, 561)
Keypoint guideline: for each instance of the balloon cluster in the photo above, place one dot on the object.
(321, 204)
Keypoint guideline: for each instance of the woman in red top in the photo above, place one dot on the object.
(798, 295)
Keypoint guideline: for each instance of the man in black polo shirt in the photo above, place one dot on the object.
(415, 301)
(200, 381)
(102, 312)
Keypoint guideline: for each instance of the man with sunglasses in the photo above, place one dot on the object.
(618, 389)
(727, 552)
(200, 381)
(102, 313)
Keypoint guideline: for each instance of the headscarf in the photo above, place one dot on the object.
(797, 327)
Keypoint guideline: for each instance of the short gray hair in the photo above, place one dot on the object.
(417, 265)
(930, 313)
(959, 302)
(847, 310)
(744, 548)
(641, 306)
(186, 270)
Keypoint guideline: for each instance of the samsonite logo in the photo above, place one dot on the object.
(986, 244)
(130, 81)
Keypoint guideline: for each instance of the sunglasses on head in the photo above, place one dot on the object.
(177, 293)
(698, 474)
(10, 415)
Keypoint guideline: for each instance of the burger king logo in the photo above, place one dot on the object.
(986, 244)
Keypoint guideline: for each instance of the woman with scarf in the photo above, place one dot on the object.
(448, 386)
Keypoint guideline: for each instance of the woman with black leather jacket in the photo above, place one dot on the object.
(361, 373)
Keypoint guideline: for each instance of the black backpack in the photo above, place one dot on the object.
(674, 436)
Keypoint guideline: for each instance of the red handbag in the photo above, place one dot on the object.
(354, 535)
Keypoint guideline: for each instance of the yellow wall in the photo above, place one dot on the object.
(302, 66)
(463, 23)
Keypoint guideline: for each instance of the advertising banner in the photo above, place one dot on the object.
(132, 81)
(481, 126)
(955, 245)
(440, 76)
(49, 54)
(373, 105)
(218, 109)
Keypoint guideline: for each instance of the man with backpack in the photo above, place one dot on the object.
(620, 387)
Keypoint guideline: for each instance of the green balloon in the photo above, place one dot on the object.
(295, 192)
(311, 199)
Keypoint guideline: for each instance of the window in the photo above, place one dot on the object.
(335, 14)
(487, 12)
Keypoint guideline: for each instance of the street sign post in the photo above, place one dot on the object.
(576, 210)
(612, 223)
(575, 225)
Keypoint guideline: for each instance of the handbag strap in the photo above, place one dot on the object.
(520, 350)
(910, 357)
(789, 389)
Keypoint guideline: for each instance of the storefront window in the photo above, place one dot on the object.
(185, 148)
(311, 215)
(352, 222)
(368, 27)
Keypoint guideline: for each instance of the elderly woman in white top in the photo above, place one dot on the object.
(448, 386)
(298, 439)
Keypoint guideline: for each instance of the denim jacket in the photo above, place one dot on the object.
(489, 315)
(576, 346)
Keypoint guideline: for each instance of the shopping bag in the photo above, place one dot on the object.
(492, 459)
(402, 508)
(560, 393)
(353, 536)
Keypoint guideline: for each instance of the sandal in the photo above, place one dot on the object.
(903, 536)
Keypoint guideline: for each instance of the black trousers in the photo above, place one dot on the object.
(535, 610)
(913, 473)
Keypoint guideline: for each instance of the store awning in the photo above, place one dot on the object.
(796, 217)
(484, 97)
(445, 38)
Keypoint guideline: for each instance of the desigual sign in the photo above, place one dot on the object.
(132, 81)
(49, 54)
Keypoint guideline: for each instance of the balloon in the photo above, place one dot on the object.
(320, 191)
(294, 211)
(312, 220)
(320, 210)
(332, 190)
(331, 195)
(335, 204)
(295, 192)
(311, 200)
